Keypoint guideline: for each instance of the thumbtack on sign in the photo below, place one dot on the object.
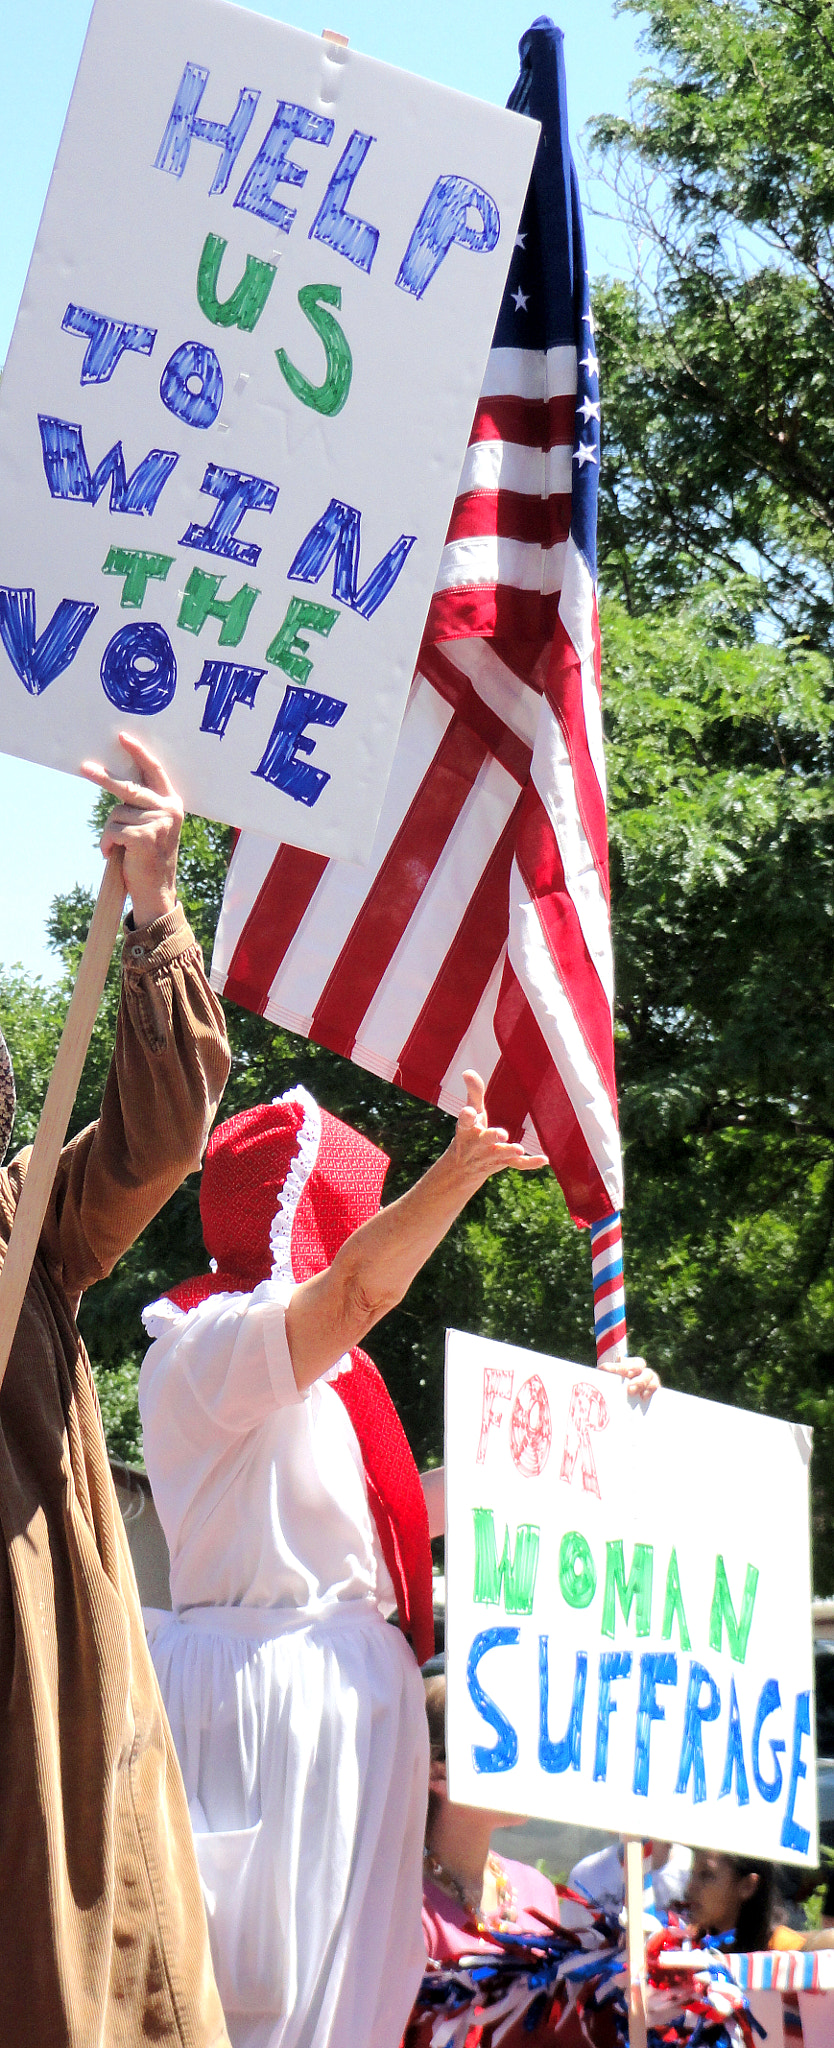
(331, 35)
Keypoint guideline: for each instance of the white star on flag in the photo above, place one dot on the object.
(586, 452)
(589, 409)
(590, 362)
(520, 299)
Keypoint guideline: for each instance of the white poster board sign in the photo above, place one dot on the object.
(628, 1607)
(235, 406)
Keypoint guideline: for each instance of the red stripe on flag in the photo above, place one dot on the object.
(484, 612)
(396, 890)
(548, 1103)
(271, 925)
(529, 422)
(512, 515)
(564, 694)
(540, 864)
(455, 688)
(459, 986)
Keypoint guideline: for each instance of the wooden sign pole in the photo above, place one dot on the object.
(635, 1944)
(60, 1096)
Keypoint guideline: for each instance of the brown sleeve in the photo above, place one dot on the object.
(169, 1069)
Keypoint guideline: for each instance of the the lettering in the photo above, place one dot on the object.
(792, 1835)
(445, 221)
(577, 1571)
(236, 493)
(505, 1751)
(345, 232)
(613, 1664)
(516, 1572)
(228, 683)
(280, 763)
(288, 650)
(566, 1754)
(723, 1614)
(138, 568)
(139, 670)
(769, 1703)
(337, 534)
(673, 1605)
(696, 1712)
(107, 341)
(497, 1389)
(68, 472)
(636, 1591)
(588, 1412)
(191, 384)
(245, 303)
(201, 602)
(38, 659)
(656, 1668)
(330, 395)
(734, 1764)
(272, 165)
(184, 127)
(531, 1429)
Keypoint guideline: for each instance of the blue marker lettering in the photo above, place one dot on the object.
(444, 221)
(228, 683)
(613, 1664)
(280, 764)
(793, 1836)
(656, 1668)
(734, 1760)
(272, 166)
(139, 670)
(695, 1714)
(505, 1752)
(338, 533)
(106, 340)
(37, 661)
(193, 361)
(769, 1702)
(237, 493)
(68, 471)
(567, 1753)
(345, 232)
(184, 128)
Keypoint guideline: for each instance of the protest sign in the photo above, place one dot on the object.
(235, 406)
(628, 1607)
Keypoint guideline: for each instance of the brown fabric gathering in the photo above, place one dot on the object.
(102, 1933)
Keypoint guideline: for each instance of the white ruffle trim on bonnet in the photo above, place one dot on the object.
(309, 1139)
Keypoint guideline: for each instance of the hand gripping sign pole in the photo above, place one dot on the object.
(611, 1338)
(60, 1097)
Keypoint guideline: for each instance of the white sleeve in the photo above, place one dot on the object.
(230, 1355)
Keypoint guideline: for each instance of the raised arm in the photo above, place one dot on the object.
(171, 1057)
(374, 1269)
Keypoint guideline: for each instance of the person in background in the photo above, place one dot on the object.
(601, 1877)
(737, 1896)
(102, 1936)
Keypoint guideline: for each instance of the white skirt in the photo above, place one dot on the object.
(305, 1758)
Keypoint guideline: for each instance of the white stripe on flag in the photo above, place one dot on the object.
(532, 962)
(400, 995)
(512, 701)
(250, 864)
(576, 604)
(522, 565)
(552, 775)
(492, 465)
(478, 1048)
(528, 373)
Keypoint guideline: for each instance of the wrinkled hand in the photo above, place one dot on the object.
(478, 1149)
(146, 824)
(640, 1378)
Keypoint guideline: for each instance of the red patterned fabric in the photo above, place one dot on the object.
(248, 1162)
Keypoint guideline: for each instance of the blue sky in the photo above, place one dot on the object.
(468, 44)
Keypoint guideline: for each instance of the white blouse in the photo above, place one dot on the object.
(260, 1489)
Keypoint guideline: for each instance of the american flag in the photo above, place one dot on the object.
(479, 933)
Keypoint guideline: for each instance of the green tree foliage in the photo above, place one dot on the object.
(719, 356)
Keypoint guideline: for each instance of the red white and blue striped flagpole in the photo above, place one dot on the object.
(612, 1344)
(609, 1289)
